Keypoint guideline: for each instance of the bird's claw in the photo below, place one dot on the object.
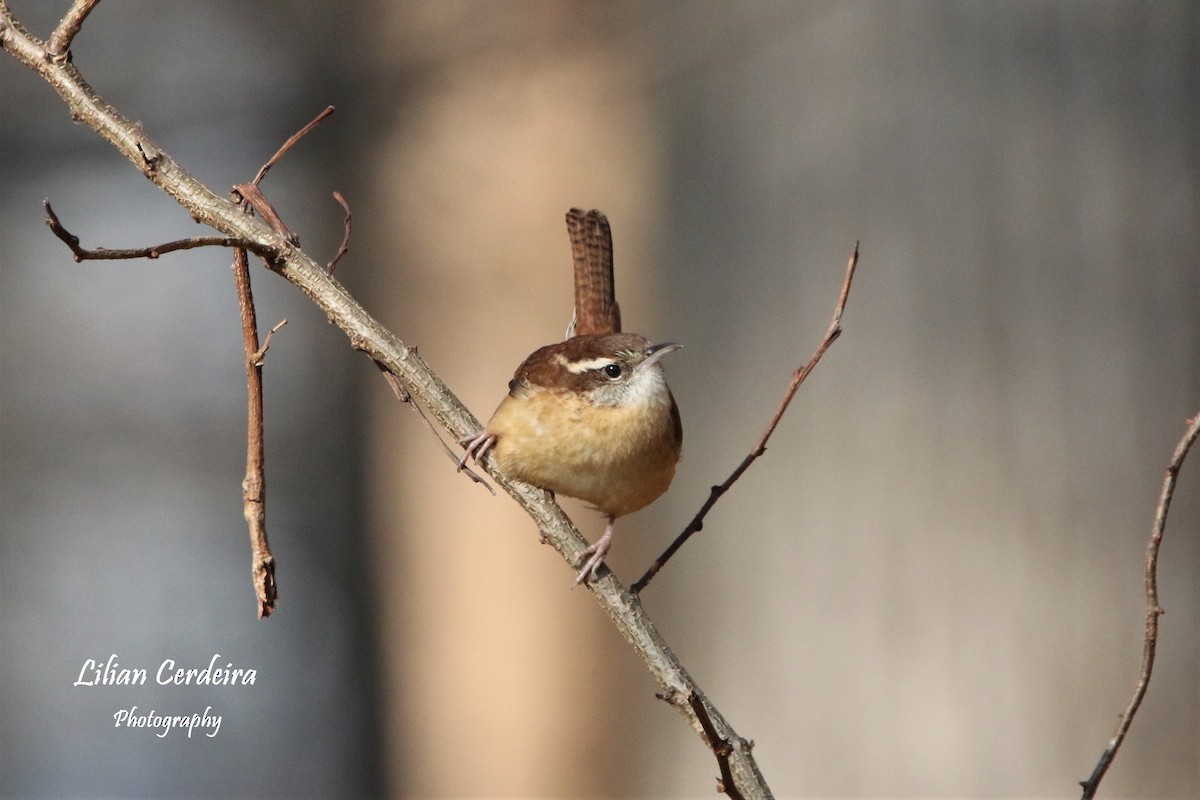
(477, 446)
(597, 552)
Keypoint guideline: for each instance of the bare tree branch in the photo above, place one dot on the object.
(697, 523)
(368, 335)
(1153, 610)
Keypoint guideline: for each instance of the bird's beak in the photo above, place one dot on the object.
(656, 351)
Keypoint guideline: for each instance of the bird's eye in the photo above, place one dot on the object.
(613, 371)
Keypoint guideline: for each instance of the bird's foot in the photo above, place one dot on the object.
(597, 552)
(477, 446)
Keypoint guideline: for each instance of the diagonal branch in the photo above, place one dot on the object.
(697, 523)
(1153, 610)
(368, 335)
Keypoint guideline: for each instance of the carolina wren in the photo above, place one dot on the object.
(590, 417)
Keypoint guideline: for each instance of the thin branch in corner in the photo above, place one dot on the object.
(1153, 609)
(697, 523)
(59, 44)
(152, 252)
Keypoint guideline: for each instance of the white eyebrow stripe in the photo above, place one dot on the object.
(580, 367)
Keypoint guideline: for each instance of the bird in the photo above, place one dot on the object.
(590, 417)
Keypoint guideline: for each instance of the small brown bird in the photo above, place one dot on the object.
(590, 418)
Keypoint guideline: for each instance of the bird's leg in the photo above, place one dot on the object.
(477, 447)
(597, 552)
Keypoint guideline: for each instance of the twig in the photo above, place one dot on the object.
(287, 145)
(68, 27)
(105, 254)
(721, 748)
(345, 246)
(1153, 610)
(261, 353)
(697, 523)
(368, 335)
(254, 486)
(254, 197)
(406, 398)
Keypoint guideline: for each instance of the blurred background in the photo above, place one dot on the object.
(931, 585)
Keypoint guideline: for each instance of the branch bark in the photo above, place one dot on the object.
(369, 336)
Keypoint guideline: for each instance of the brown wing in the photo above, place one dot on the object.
(596, 309)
